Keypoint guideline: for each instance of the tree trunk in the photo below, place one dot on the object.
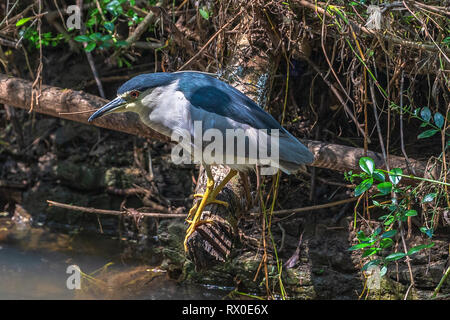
(212, 243)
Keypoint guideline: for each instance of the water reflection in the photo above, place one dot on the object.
(34, 261)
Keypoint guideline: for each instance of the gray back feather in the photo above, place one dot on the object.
(217, 97)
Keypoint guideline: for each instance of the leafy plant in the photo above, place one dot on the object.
(96, 39)
(102, 21)
(398, 211)
(425, 116)
(204, 13)
(47, 38)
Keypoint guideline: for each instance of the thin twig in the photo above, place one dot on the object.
(114, 212)
(10, 10)
(377, 122)
(421, 46)
(209, 41)
(37, 83)
(141, 28)
(444, 277)
(311, 208)
(338, 96)
(427, 32)
(10, 43)
(323, 36)
(77, 112)
(90, 58)
(402, 142)
(407, 259)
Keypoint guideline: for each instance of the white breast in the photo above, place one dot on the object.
(167, 110)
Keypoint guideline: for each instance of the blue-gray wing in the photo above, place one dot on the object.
(215, 96)
(218, 105)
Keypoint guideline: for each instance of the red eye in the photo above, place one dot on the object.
(134, 94)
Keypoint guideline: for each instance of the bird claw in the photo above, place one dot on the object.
(209, 201)
(194, 215)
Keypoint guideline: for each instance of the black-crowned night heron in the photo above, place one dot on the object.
(199, 106)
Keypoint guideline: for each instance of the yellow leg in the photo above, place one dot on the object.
(194, 208)
(208, 197)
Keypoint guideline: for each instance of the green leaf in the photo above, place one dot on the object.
(389, 220)
(429, 232)
(394, 175)
(91, 46)
(418, 248)
(363, 186)
(383, 271)
(82, 38)
(395, 256)
(109, 26)
(22, 21)
(429, 197)
(379, 175)
(377, 231)
(425, 113)
(92, 21)
(369, 252)
(204, 13)
(114, 7)
(361, 236)
(105, 45)
(121, 43)
(367, 165)
(106, 37)
(389, 234)
(439, 120)
(385, 187)
(359, 246)
(411, 213)
(386, 243)
(427, 133)
(371, 263)
(96, 36)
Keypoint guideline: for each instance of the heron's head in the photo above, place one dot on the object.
(133, 95)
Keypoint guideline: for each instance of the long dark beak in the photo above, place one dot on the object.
(115, 105)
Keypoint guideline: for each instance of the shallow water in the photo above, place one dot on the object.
(34, 262)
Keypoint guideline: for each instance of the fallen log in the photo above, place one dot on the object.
(71, 105)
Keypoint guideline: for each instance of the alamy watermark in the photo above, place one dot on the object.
(74, 19)
(373, 274)
(74, 280)
(234, 147)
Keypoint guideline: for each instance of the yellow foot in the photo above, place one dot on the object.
(209, 197)
(195, 213)
(208, 201)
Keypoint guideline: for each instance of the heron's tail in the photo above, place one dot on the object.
(276, 150)
(293, 154)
